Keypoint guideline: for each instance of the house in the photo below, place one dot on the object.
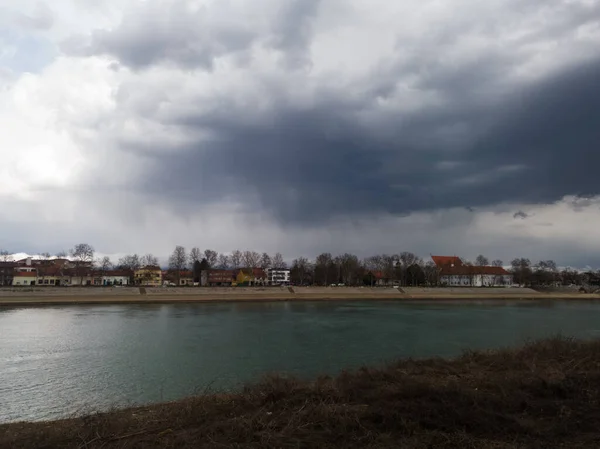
(24, 278)
(250, 276)
(184, 278)
(454, 273)
(278, 276)
(379, 278)
(79, 277)
(150, 276)
(51, 276)
(115, 277)
(217, 278)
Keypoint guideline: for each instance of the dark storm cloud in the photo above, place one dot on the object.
(520, 215)
(310, 166)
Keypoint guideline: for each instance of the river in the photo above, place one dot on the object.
(63, 361)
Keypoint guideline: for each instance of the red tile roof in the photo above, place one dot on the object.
(25, 274)
(441, 261)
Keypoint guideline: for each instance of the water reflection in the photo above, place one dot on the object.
(59, 360)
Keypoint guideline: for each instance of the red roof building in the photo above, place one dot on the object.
(453, 272)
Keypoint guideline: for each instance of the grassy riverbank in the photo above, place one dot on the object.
(546, 394)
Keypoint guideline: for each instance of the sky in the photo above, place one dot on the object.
(364, 126)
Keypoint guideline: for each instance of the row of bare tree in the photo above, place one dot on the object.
(404, 268)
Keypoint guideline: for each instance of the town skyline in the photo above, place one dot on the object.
(163, 261)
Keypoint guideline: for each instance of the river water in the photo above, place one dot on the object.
(61, 361)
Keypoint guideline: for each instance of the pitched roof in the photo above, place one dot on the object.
(441, 261)
(25, 274)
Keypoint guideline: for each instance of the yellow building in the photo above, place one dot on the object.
(150, 276)
(253, 276)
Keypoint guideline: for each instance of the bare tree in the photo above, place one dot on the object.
(61, 254)
(349, 268)
(325, 270)
(223, 261)
(83, 257)
(104, 265)
(130, 262)
(236, 259)
(195, 255)
(265, 261)
(431, 273)
(301, 269)
(482, 261)
(149, 260)
(497, 263)
(178, 262)
(5, 256)
(45, 256)
(521, 269)
(406, 259)
(178, 259)
(278, 263)
(251, 259)
(545, 272)
(211, 257)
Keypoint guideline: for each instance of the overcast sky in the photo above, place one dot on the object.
(368, 126)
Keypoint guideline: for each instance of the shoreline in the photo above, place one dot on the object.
(41, 299)
(169, 299)
(132, 295)
(485, 399)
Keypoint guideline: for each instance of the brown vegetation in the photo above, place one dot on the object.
(543, 395)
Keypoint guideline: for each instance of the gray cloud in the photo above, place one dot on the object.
(42, 18)
(521, 215)
(155, 34)
(312, 165)
(481, 141)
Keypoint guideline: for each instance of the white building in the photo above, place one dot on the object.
(476, 280)
(454, 273)
(277, 276)
(115, 279)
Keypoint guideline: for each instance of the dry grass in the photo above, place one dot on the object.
(544, 395)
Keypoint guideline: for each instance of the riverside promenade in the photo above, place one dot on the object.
(108, 295)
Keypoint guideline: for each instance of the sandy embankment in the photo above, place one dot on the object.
(93, 295)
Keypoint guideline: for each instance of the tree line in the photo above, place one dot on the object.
(404, 268)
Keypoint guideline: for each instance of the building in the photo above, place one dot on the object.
(278, 276)
(149, 276)
(52, 276)
(217, 278)
(250, 277)
(116, 277)
(185, 278)
(24, 278)
(454, 273)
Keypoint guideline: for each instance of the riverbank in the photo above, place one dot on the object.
(545, 394)
(133, 295)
